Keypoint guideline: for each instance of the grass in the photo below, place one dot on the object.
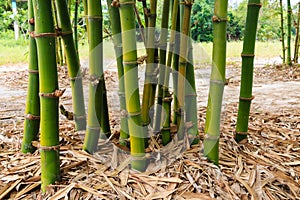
(13, 52)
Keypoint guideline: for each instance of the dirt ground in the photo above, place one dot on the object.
(267, 167)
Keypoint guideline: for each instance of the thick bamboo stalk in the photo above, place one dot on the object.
(297, 40)
(117, 40)
(150, 73)
(32, 120)
(135, 125)
(166, 135)
(289, 32)
(73, 63)
(282, 32)
(162, 62)
(247, 70)
(217, 82)
(98, 119)
(191, 98)
(49, 139)
(184, 40)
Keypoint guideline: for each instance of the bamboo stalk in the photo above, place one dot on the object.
(59, 52)
(247, 70)
(32, 120)
(191, 98)
(217, 82)
(150, 74)
(289, 32)
(184, 40)
(162, 62)
(49, 139)
(73, 64)
(282, 31)
(98, 120)
(136, 129)
(117, 40)
(75, 27)
(297, 40)
(166, 104)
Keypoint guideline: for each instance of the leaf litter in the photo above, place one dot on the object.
(266, 167)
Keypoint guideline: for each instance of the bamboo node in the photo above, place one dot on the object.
(151, 15)
(188, 125)
(41, 35)
(31, 21)
(141, 59)
(79, 117)
(255, 4)
(247, 55)
(191, 95)
(32, 117)
(166, 129)
(187, 3)
(33, 71)
(133, 114)
(240, 133)
(64, 33)
(94, 79)
(128, 3)
(115, 3)
(93, 128)
(49, 148)
(218, 82)
(55, 94)
(132, 63)
(167, 99)
(94, 17)
(247, 99)
(123, 113)
(75, 78)
(207, 136)
(217, 19)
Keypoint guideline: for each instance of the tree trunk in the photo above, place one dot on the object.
(136, 130)
(45, 40)
(247, 70)
(73, 63)
(217, 82)
(32, 120)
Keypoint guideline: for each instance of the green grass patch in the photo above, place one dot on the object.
(13, 51)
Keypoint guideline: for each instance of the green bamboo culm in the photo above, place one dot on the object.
(73, 63)
(167, 97)
(183, 57)
(75, 27)
(136, 130)
(282, 31)
(49, 139)
(59, 51)
(191, 98)
(247, 70)
(150, 73)
(98, 119)
(32, 120)
(217, 82)
(289, 32)
(117, 40)
(297, 39)
(162, 62)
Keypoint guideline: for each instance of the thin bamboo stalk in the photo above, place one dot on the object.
(217, 82)
(59, 51)
(297, 40)
(282, 32)
(135, 125)
(289, 32)
(32, 120)
(98, 120)
(49, 139)
(162, 62)
(247, 70)
(184, 40)
(117, 40)
(73, 63)
(150, 74)
(75, 27)
(166, 135)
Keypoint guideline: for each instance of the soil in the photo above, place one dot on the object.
(266, 167)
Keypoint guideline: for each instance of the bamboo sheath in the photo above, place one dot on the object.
(217, 82)
(247, 70)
